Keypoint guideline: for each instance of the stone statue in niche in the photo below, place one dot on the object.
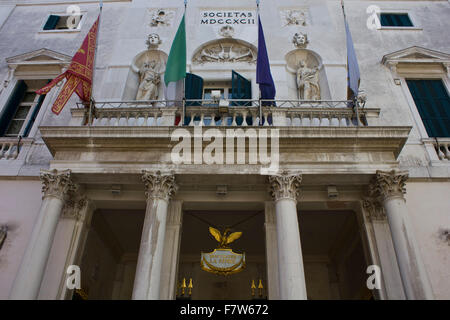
(225, 52)
(153, 41)
(300, 40)
(149, 81)
(308, 82)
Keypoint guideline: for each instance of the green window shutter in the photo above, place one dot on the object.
(193, 88)
(395, 20)
(241, 88)
(51, 22)
(433, 103)
(11, 106)
(33, 116)
(404, 20)
(383, 20)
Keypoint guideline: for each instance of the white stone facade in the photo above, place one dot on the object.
(388, 172)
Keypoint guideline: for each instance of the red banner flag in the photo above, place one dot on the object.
(78, 75)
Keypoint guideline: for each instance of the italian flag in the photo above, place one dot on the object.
(176, 65)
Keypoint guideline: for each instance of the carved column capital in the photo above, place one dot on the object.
(388, 184)
(57, 183)
(285, 185)
(159, 185)
(374, 209)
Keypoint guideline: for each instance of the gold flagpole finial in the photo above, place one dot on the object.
(183, 286)
(260, 287)
(190, 286)
(253, 287)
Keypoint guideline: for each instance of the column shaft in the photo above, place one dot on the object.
(270, 226)
(148, 271)
(412, 270)
(285, 190)
(388, 188)
(31, 272)
(290, 259)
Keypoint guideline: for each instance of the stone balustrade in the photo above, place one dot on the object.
(9, 148)
(442, 146)
(293, 113)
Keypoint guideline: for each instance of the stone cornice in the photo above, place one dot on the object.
(57, 183)
(159, 185)
(415, 54)
(388, 184)
(285, 185)
(311, 139)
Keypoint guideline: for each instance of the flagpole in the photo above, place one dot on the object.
(259, 91)
(91, 102)
(184, 81)
(355, 94)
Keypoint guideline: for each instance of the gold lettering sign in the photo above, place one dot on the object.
(223, 260)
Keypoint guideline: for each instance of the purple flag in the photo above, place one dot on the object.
(263, 75)
(353, 76)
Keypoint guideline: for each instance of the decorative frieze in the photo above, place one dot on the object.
(388, 184)
(285, 185)
(57, 183)
(161, 17)
(291, 17)
(159, 185)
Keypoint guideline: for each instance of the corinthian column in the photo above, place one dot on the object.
(159, 189)
(285, 190)
(28, 280)
(389, 188)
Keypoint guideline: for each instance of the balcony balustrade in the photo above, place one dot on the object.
(232, 112)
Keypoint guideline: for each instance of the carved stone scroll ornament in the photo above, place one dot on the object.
(159, 185)
(388, 184)
(285, 185)
(225, 52)
(57, 183)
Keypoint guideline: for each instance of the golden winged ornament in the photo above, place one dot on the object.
(225, 238)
